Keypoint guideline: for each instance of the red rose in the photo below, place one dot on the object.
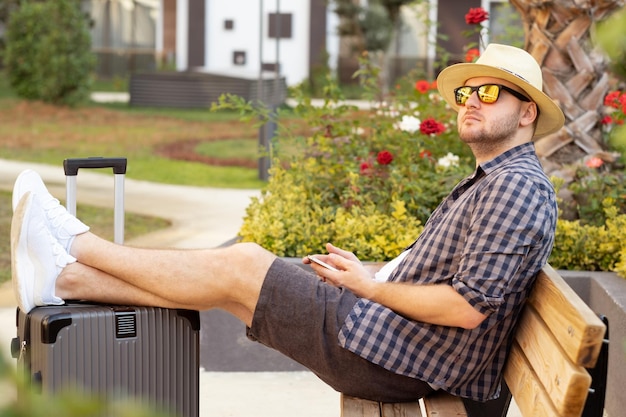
(612, 99)
(476, 15)
(426, 154)
(471, 55)
(365, 168)
(422, 86)
(384, 157)
(606, 120)
(430, 126)
(594, 162)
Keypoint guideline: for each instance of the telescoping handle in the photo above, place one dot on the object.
(71, 167)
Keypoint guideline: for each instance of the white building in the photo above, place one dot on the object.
(243, 36)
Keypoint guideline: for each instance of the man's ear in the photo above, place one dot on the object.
(530, 113)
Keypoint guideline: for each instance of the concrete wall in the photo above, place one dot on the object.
(605, 293)
(243, 36)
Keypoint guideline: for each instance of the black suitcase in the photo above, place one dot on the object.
(146, 354)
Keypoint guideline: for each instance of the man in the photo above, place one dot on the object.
(440, 317)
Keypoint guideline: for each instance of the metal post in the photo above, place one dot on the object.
(263, 161)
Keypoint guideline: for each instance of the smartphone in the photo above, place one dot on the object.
(324, 264)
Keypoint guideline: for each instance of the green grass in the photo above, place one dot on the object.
(198, 115)
(134, 140)
(189, 173)
(225, 149)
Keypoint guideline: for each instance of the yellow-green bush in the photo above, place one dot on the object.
(589, 247)
(291, 219)
(365, 180)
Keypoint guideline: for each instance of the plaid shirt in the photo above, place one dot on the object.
(487, 239)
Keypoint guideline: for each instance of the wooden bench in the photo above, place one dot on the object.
(557, 339)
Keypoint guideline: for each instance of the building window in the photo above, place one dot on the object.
(239, 58)
(270, 66)
(280, 24)
(229, 24)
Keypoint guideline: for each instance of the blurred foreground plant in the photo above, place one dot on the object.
(66, 403)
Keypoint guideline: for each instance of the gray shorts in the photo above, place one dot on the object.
(300, 316)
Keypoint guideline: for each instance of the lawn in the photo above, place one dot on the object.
(38, 132)
(192, 147)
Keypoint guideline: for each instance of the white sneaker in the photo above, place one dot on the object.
(63, 226)
(37, 258)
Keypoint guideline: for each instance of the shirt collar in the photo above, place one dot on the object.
(513, 153)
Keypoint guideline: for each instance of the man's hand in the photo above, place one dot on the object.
(352, 275)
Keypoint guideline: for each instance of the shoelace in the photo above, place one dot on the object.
(61, 257)
(56, 216)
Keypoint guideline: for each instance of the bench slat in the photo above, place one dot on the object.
(531, 398)
(401, 410)
(442, 404)
(566, 384)
(357, 407)
(575, 326)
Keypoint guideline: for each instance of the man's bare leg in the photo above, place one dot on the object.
(80, 282)
(229, 278)
(43, 234)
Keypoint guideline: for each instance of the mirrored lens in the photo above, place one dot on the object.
(487, 93)
(462, 94)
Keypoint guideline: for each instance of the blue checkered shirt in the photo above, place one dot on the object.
(487, 239)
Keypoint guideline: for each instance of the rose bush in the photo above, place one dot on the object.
(367, 180)
(613, 120)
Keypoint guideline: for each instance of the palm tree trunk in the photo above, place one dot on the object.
(558, 35)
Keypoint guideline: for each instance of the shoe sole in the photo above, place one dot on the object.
(20, 262)
(18, 193)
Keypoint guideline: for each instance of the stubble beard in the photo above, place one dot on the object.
(488, 138)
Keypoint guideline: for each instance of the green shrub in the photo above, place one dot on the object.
(48, 52)
(590, 247)
(590, 188)
(365, 180)
(291, 219)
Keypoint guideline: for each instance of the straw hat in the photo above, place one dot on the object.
(514, 65)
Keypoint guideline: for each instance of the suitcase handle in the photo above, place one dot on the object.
(71, 165)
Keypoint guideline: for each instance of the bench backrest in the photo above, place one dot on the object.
(558, 336)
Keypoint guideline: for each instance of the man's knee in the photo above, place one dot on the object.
(251, 257)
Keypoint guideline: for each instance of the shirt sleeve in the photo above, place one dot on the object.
(509, 218)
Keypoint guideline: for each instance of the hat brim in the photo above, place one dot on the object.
(551, 118)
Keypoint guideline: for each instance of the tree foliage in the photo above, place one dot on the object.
(48, 52)
(373, 24)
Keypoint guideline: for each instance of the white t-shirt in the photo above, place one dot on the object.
(383, 273)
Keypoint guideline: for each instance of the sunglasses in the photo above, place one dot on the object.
(487, 93)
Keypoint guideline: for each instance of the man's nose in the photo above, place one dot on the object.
(473, 100)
